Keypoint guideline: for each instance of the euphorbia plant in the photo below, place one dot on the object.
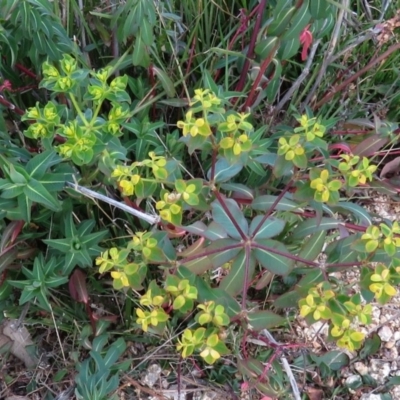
(243, 235)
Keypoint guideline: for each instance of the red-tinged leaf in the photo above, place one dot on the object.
(306, 39)
(174, 231)
(370, 146)
(265, 280)
(193, 248)
(111, 318)
(199, 265)
(77, 287)
(340, 146)
(7, 257)
(10, 233)
(357, 123)
(390, 167)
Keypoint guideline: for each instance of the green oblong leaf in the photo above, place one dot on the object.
(146, 32)
(37, 193)
(299, 22)
(233, 282)
(199, 265)
(38, 165)
(166, 81)
(225, 254)
(271, 227)
(275, 263)
(224, 171)
(281, 21)
(266, 46)
(289, 48)
(287, 300)
(318, 8)
(138, 52)
(259, 320)
(335, 360)
(264, 203)
(313, 225)
(313, 246)
(222, 217)
(240, 189)
(360, 213)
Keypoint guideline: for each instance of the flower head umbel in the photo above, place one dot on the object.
(206, 98)
(194, 126)
(382, 286)
(325, 190)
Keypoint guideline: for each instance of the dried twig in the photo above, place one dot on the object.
(300, 79)
(327, 57)
(286, 366)
(151, 219)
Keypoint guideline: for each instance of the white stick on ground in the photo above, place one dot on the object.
(151, 219)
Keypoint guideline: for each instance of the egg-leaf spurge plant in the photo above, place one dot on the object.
(238, 236)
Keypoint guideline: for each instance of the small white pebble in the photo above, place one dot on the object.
(361, 368)
(385, 333)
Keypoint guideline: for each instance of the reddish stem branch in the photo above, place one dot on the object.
(249, 101)
(250, 53)
(347, 82)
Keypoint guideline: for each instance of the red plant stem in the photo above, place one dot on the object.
(349, 264)
(250, 53)
(268, 365)
(249, 101)
(274, 204)
(213, 162)
(247, 250)
(11, 106)
(283, 254)
(240, 30)
(351, 132)
(244, 346)
(352, 78)
(191, 56)
(26, 71)
(231, 217)
(153, 92)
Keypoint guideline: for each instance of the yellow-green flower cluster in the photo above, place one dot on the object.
(130, 179)
(79, 143)
(204, 340)
(382, 236)
(194, 126)
(151, 318)
(46, 121)
(117, 260)
(311, 128)
(356, 171)
(206, 98)
(316, 303)
(325, 190)
(170, 207)
(382, 284)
